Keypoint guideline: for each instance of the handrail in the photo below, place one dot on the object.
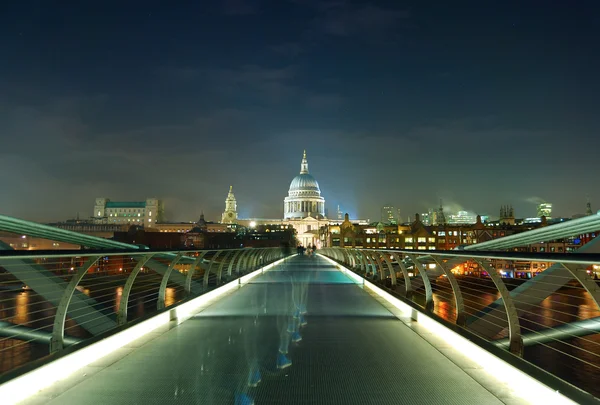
(60, 298)
(557, 311)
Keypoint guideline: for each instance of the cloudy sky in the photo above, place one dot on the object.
(478, 103)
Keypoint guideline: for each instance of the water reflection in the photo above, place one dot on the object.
(118, 294)
(170, 296)
(21, 308)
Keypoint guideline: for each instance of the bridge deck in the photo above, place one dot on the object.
(353, 351)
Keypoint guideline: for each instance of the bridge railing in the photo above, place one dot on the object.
(551, 320)
(50, 300)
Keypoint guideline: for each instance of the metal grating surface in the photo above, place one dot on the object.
(353, 351)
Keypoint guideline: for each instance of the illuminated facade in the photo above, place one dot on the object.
(304, 196)
(230, 214)
(544, 210)
(462, 217)
(389, 215)
(143, 213)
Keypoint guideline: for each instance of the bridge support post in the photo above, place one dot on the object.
(459, 303)
(160, 304)
(408, 292)
(426, 282)
(242, 261)
(514, 327)
(220, 270)
(188, 278)
(210, 264)
(58, 330)
(388, 262)
(124, 301)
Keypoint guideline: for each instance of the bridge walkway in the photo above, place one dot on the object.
(254, 345)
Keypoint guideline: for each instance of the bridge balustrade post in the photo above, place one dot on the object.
(220, 269)
(248, 265)
(242, 261)
(426, 282)
(160, 304)
(580, 274)
(337, 254)
(210, 264)
(362, 260)
(57, 342)
(514, 326)
(188, 278)
(255, 259)
(369, 261)
(408, 291)
(461, 318)
(353, 259)
(230, 267)
(346, 259)
(386, 257)
(124, 300)
(271, 255)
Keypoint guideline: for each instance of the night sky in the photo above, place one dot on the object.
(478, 103)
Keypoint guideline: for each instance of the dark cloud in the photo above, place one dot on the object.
(289, 49)
(240, 7)
(181, 104)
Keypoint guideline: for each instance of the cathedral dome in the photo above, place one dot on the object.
(304, 182)
(304, 197)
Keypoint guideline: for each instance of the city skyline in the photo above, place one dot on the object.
(394, 104)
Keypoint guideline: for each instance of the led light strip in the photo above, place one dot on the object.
(521, 384)
(28, 384)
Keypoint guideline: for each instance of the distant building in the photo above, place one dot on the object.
(273, 235)
(462, 217)
(142, 213)
(389, 215)
(440, 217)
(507, 215)
(426, 218)
(588, 208)
(544, 210)
(230, 214)
(419, 237)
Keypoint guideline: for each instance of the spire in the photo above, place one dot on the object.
(304, 165)
(441, 218)
(588, 207)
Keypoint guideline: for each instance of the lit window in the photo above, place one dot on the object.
(431, 239)
(149, 220)
(408, 240)
(99, 213)
(421, 240)
(149, 213)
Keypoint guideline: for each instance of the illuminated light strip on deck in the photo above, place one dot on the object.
(521, 384)
(28, 384)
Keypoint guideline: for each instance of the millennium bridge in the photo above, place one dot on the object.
(120, 323)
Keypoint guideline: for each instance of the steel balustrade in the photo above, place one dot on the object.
(463, 293)
(82, 271)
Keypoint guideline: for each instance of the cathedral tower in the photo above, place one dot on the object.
(230, 214)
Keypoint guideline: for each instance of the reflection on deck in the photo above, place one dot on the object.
(301, 333)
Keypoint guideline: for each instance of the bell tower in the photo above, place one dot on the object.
(230, 214)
